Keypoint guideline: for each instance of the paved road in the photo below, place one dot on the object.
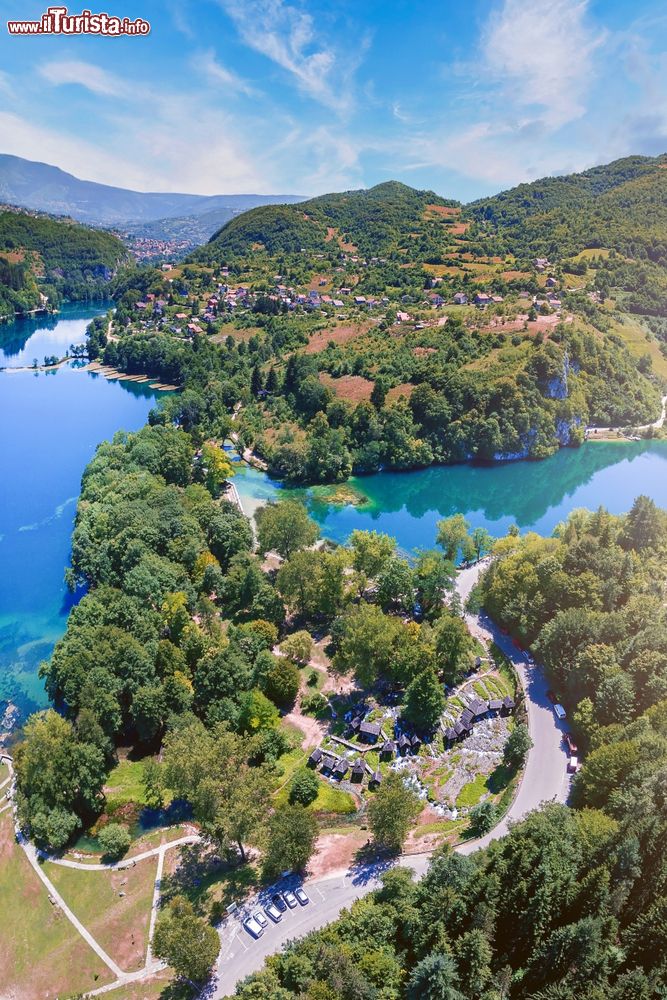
(642, 427)
(545, 778)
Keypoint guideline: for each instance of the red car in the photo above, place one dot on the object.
(571, 745)
(552, 696)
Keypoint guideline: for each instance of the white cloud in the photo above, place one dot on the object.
(219, 75)
(287, 36)
(82, 158)
(84, 74)
(540, 54)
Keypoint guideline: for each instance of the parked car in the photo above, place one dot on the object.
(572, 765)
(571, 745)
(253, 927)
(290, 899)
(560, 712)
(279, 902)
(301, 896)
(261, 919)
(553, 698)
(273, 912)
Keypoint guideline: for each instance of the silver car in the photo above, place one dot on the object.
(273, 912)
(253, 928)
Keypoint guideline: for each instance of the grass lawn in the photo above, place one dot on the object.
(125, 784)
(41, 954)
(119, 923)
(189, 873)
(471, 793)
(159, 986)
(333, 800)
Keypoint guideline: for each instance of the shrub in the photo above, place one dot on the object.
(282, 682)
(304, 787)
(483, 818)
(114, 840)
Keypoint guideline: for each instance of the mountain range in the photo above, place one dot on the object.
(35, 185)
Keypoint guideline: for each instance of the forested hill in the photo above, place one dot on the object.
(54, 257)
(373, 221)
(621, 205)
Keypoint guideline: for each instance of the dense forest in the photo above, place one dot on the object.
(571, 904)
(57, 258)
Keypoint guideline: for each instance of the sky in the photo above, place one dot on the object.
(295, 97)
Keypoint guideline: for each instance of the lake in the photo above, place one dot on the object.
(50, 425)
(34, 338)
(533, 495)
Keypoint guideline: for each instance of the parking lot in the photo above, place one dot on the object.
(242, 954)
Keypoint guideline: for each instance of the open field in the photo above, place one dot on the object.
(350, 387)
(159, 987)
(337, 334)
(230, 330)
(631, 331)
(41, 954)
(118, 922)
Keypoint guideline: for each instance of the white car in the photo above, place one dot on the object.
(560, 712)
(274, 913)
(253, 927)
(290, 899)
(261, 919)
(301, 896)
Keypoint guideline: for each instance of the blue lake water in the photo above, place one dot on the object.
(50, 425)
(32, 339)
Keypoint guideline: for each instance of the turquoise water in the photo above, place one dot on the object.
(50, 424)
(534, 495)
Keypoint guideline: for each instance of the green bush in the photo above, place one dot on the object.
(304, 787)
(114, 840)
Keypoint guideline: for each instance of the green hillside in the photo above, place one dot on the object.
(622, 205)
(392, 328)
(57, 257)
(376, 220)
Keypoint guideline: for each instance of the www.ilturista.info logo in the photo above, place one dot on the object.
(58, 21)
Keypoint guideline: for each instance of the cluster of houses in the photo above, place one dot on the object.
(476, 711)
(336, 766)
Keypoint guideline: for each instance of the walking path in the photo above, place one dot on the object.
(36, 857)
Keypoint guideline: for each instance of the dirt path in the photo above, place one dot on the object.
(313, 729)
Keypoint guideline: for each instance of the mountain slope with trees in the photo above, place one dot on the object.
(57, 257)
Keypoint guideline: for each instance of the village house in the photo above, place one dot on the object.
(369, 731)
(460, 299)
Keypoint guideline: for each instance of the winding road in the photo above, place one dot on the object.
(545, 779)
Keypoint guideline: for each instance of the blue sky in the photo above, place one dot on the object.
(285, 96)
